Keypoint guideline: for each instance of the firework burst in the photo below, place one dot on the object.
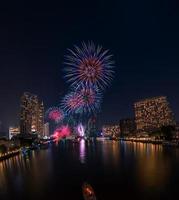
(83, 100)
(89, 64)
(71, 102)
(61, 132)
(55, 114)
(81, 130)
(91, 98)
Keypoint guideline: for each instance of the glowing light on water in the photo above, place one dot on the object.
(82, 151)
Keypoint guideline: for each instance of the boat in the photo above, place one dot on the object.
(88, 192)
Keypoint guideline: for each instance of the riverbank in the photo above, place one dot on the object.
(152, 141)
(144, 170)
(9, 154)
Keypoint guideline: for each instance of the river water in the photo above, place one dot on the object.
(115, 170)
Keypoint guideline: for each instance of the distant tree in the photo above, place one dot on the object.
(168, 132)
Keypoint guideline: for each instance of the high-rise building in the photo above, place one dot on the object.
(111, 131)
(31, 114)
(153, 113)
(127, 126)
(177, 130)
(13, 131)
(91, 127)
(46, 130)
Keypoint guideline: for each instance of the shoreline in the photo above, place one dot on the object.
(149, 141)
(9, 154)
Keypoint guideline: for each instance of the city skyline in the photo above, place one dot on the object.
(132, 117)
(117, 121)
(145, 49)
(89, 104)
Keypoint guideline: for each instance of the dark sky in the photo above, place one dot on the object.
(143, 36)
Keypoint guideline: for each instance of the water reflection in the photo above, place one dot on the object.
(9, 170)
(151, 164)
(143, 168)
(20, 173)
(82, 154)
(110, 153)
(153, 167)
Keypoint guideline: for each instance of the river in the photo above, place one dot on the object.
(115, 170)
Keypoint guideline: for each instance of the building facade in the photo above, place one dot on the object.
(46, 130)
(111, 131)
(31, 114)
(153, 113)
(128, 127)
(13, 131)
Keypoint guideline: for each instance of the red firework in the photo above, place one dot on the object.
(72, 102)
(91, 98)
(87, 95)
(61, 132)
(89, 64)
(84, 99)
(55, 114)
(90, 69)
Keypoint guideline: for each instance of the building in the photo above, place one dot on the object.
(128, 127)
(176, 135)
(31, 114)
(91, 129)
(111, 131)
(46, 130)
(13, 131)
(153, 113)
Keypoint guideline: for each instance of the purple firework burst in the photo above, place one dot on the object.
(89, 64)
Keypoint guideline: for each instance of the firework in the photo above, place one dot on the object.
(89, 64)
(83, 100)
(81, 130)
(71, 102)
(90, 99)
(55, 114)
(61, 132)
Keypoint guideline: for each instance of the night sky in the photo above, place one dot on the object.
(143, 36)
